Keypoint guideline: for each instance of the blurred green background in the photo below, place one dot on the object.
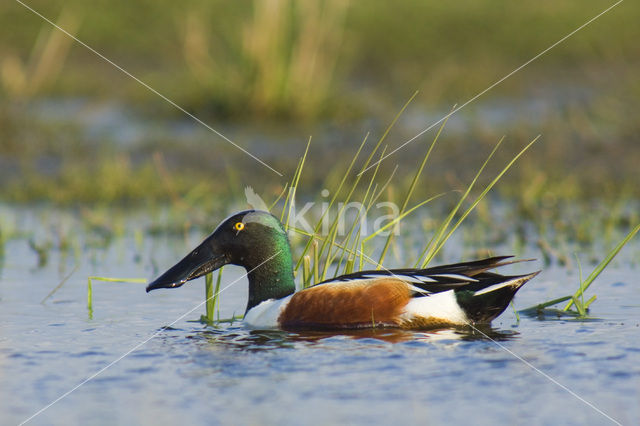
(268, 74)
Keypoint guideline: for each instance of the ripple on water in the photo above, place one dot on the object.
(89, 354)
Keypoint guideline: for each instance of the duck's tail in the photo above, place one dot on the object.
(481, 305)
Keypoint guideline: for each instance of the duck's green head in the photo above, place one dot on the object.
(253, 239)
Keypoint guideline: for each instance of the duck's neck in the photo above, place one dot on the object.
(271, 276)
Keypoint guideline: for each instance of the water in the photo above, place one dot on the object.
(190, 373)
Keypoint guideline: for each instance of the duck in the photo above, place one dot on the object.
(445, 296)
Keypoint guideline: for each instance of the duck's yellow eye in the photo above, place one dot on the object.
(239, 226)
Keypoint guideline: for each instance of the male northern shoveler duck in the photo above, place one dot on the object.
(437, 297)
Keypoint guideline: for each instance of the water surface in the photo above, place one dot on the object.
(191, 373)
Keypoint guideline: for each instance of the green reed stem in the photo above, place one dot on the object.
(208, 290)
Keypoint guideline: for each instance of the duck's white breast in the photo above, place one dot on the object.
(265, 315)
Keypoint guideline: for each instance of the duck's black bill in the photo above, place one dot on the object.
(199, 262)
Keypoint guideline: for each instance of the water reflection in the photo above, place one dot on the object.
(258, 340)
(553, 314)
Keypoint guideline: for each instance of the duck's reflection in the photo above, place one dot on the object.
(251, 340)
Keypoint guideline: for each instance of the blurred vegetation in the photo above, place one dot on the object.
(326, 68)
(302, 59)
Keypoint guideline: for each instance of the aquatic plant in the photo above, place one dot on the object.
(212, 298)
(577, 299)
(42, 251)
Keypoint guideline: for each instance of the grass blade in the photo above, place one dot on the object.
(295, 182)
(412, 187)
(475, 203)
(541, 306)
(603, 265)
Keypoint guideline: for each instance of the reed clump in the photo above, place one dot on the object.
(282, 64)
(27, 79)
